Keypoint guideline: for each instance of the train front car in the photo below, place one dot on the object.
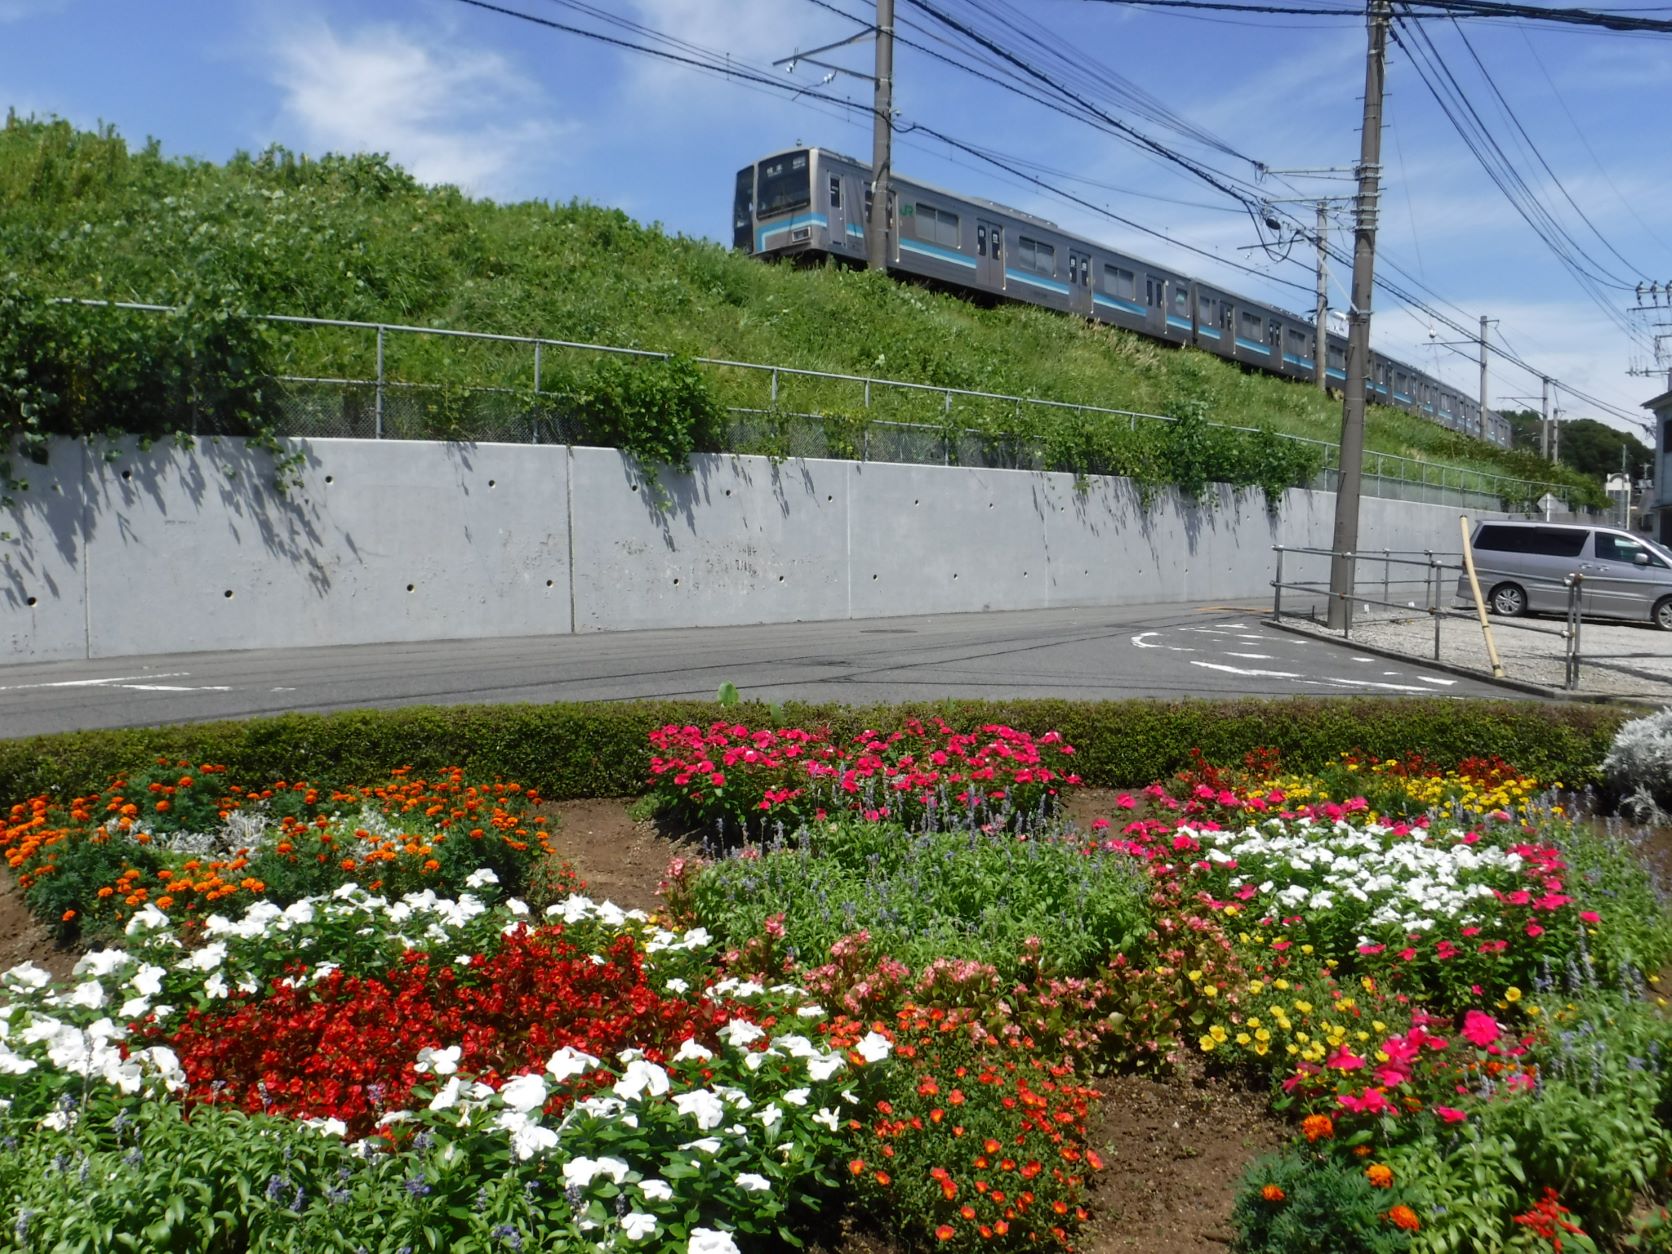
(803, 202)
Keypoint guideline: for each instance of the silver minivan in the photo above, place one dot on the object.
(1522, 567)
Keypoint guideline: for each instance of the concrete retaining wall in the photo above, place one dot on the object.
(127, 552)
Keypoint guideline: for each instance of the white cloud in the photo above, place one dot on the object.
(446, 112)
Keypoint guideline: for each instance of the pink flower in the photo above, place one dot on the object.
(1371, 949)
(1480, 1029)
(1343, 1059)
(1534, 930)
(1590, 916)
(1371, 1103)
(1450, 1114)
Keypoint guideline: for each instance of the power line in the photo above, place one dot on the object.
(1617, 20)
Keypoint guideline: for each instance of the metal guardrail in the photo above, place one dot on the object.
(1432, 582)
(1385, 474)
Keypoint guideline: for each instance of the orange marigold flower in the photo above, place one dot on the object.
(1380, 1175)
(67, 916)
(944, 1232)
(967, 1211)
(1404, 1217)
(1317, 1127)
(884, 1179)
(1273, 1193)
(856, 1166)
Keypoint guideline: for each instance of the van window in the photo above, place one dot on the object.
(1547, 541)
(1611, 548)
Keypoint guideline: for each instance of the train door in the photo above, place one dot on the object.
(1079, 282)
(989, 255)
(836, 210)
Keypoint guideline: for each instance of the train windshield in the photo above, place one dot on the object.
(743, 210)
(784, 184)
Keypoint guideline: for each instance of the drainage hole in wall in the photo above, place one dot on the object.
(635, 487)
(58, 488)
(550, 582)
(676, 583)
(917, 502)
(411, 587)
(227, 594)
(330, 478)
(780, 580)
(989, 505)
(873, 579)
(954, 574)
(728, 491)
(31, 601)
(830, 496)
(493, 483)
(127, 474)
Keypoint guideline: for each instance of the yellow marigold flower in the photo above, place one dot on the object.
(1512, 993)
(1207, 1043)
(1244, 1039)
(1218, 1033)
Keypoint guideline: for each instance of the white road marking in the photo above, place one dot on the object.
(1141, 637)
(1258, 657)
(1367, 659)
(133, 683)
(90, 683)
(1434, 679)
(1240, 670)
(174, 688)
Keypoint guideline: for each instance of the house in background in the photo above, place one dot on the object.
(1659, 505)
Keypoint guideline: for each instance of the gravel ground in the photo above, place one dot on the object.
(1618, 660)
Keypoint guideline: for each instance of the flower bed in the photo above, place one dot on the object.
(193, 842)
(894, 1006)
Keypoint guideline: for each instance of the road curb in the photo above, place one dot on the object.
(1463, 672)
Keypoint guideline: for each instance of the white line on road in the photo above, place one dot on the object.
(1258, 657)
(1242, 670)
(174, 688)
(1141, 637)
(89, 683)
(1435, 679)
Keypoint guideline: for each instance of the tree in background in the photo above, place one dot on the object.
(1588, 446)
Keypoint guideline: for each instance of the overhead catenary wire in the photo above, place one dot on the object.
(720, 64)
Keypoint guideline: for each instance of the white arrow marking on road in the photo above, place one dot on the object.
(1142, 636)
(1240, 670)
(89, 683)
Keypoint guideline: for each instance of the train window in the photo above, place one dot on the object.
(1152, 291)
(937, 226)
(835, 192)
(981, 239)
(1297, 343)
(1274, 333)
(1085, 272)
(1036, 255)
(1248, 326)
(1337, 357)
(1225, 315)
(1204, 310)
(1119, 283)
(1181, 300)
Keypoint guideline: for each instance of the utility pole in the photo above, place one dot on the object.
(1544, 426)
(1320, 348)
(1358, 326)
(1483, 376)
(882, 134)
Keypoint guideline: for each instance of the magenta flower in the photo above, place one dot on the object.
(1480, 1029)
(1450, 1114)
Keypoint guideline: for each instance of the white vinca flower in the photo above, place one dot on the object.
(568, 1062)
(638, 1225)
(711, 1241)
(641, 1077)
(525, 1093)
(749, 1182)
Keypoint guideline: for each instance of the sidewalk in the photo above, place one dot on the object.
(1618, 661)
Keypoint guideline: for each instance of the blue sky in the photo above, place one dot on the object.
(514, 111)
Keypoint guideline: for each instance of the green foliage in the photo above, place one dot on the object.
(83, 215)
(1324, 1205)
(600, 749)
(948, 894)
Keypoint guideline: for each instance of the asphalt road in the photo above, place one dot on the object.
(1127, 651)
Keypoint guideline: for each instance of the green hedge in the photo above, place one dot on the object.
(599, 749)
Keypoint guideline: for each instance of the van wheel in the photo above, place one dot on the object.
(1509, 600)
(1663, 613)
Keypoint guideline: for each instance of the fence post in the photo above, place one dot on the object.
(1385, 562)
(1277, 587)
(775, 387)
(1434, 601)
(534, 418)
(377, 413)
(946, 432)
(867, 394)
(1575, 583)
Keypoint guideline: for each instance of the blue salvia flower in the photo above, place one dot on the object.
(510, 1234)
(276, 1186)
(417, 1187)
(20, 1229)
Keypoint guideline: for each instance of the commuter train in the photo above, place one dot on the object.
(812, 202)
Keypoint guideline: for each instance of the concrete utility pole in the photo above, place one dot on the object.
(1544, 425)
(1358, 326)
(1483, 376)
(882, 134)
(1320, 348)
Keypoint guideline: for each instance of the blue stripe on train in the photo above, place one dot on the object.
(788, 224)
(937, 252)
(1126, 306)
(1050, 285)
